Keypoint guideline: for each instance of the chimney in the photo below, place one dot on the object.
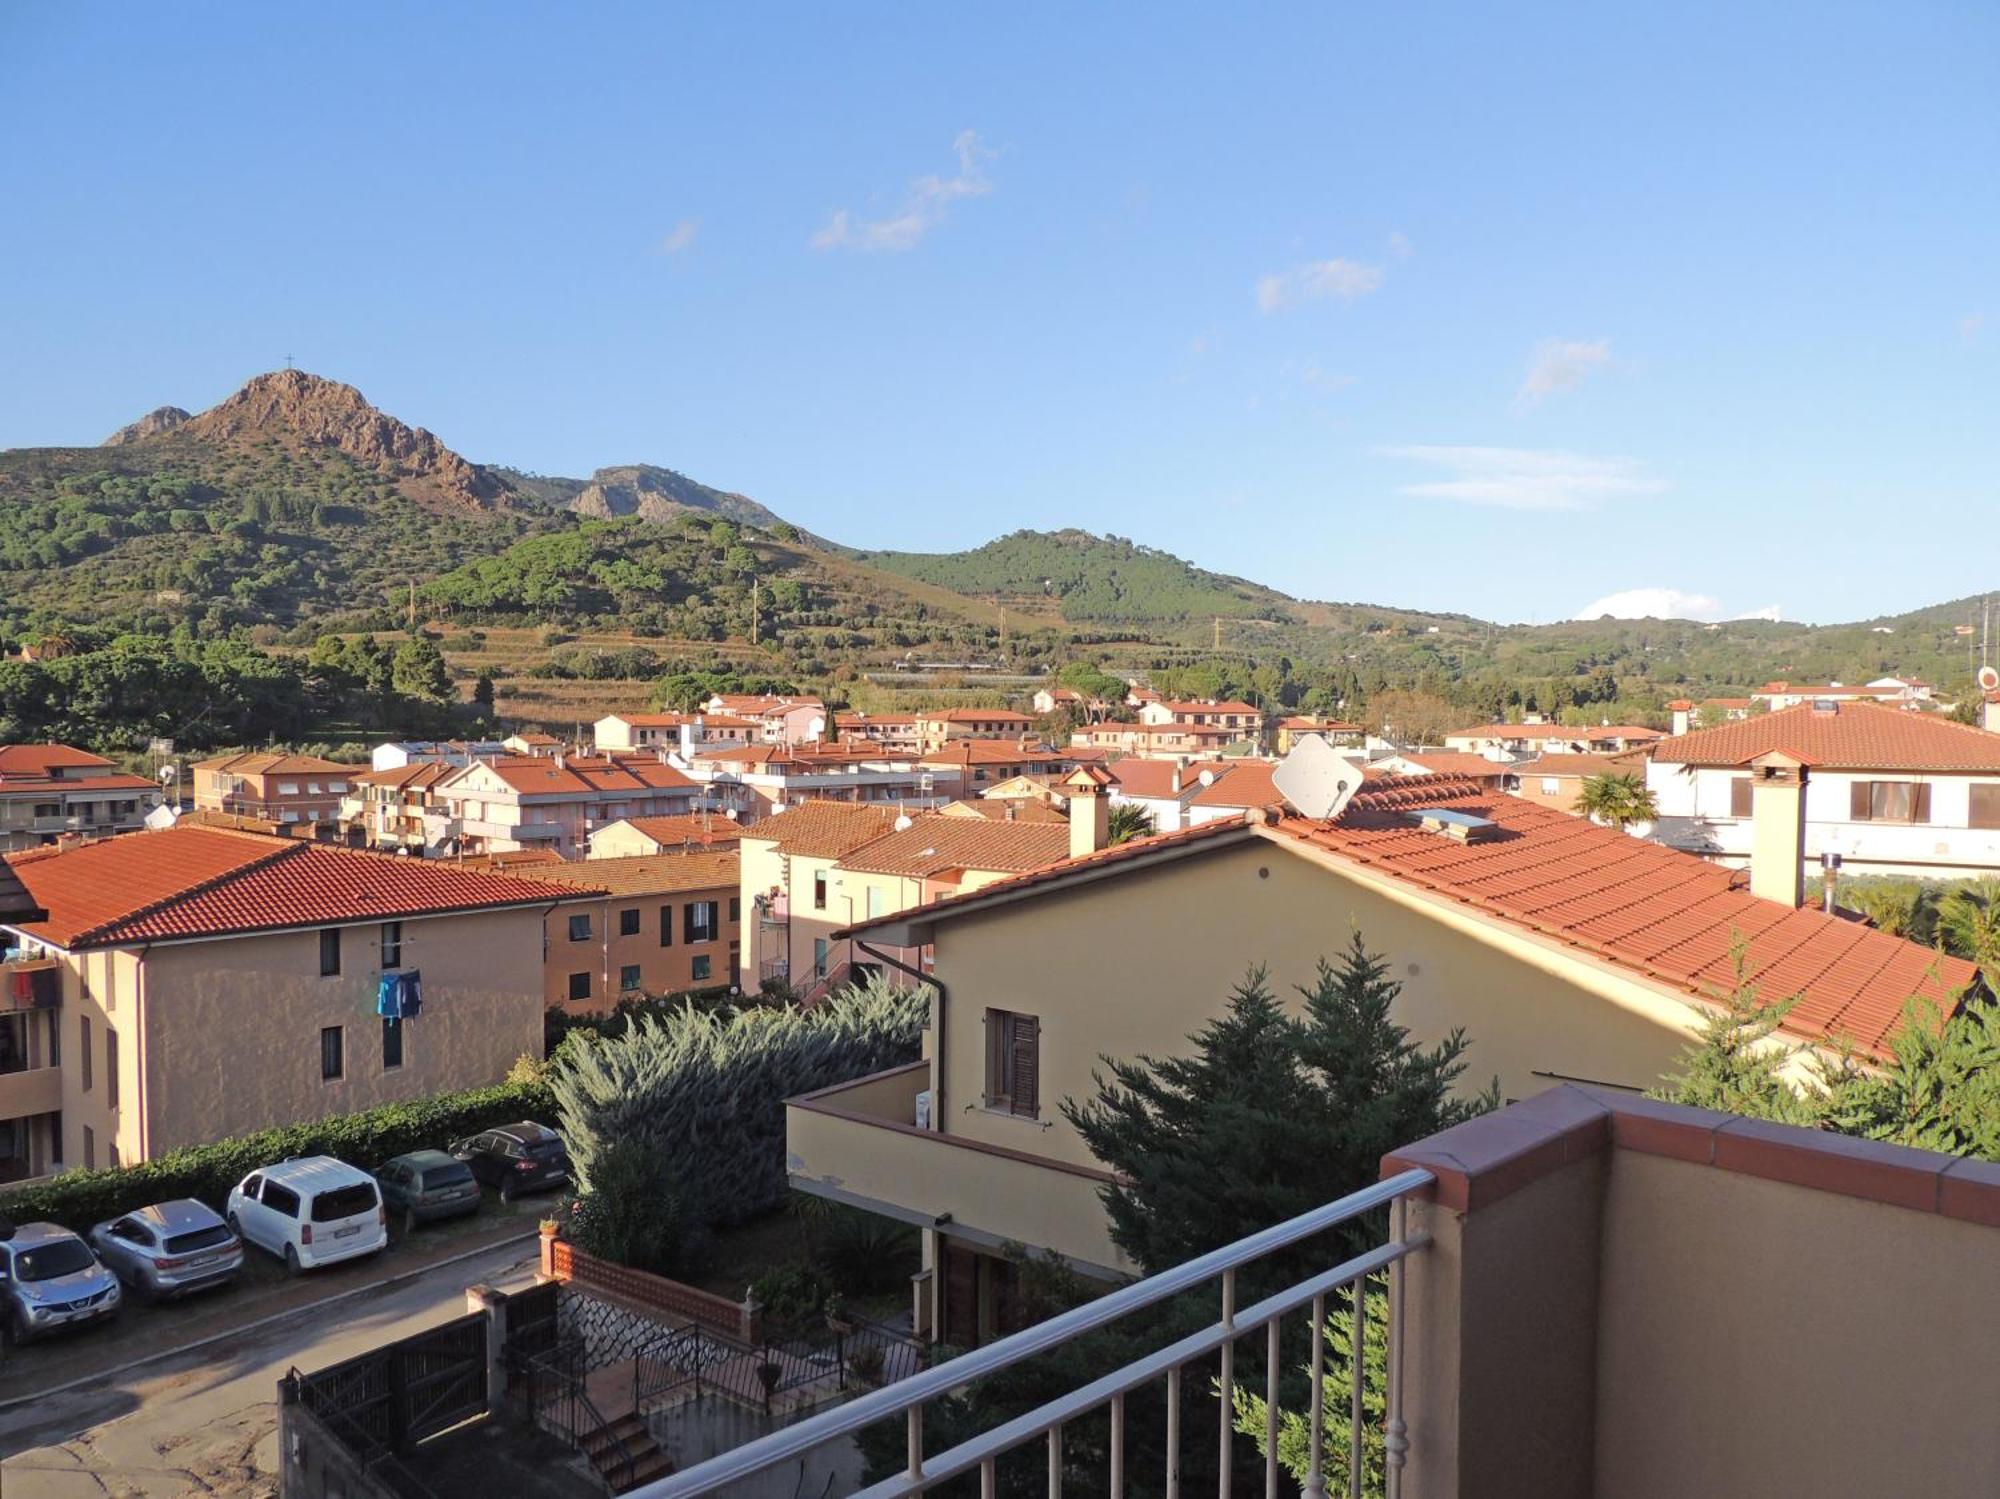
(1177, 778)
(1989, 713)
(1089, 821)
(1778, 829)
(1829, 865)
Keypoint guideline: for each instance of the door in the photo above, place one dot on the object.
(279, 1220)
(125, 1247)
(249, 1210)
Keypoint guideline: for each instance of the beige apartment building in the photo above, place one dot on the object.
(941, 726)
(53, 792)
(1566, 951)
(639, 926)
(197, 983)
(273, 787)
(556, 802)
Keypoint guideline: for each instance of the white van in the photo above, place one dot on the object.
(310, 1211)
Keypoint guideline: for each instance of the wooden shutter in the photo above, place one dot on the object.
(1985, 807)
(1920, 802)
(996, 1059)
(1739, 796)
(1025, 1056)
(1860, 796)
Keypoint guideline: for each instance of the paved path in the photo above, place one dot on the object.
(206, 1422)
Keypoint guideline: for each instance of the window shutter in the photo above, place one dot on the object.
(1739, 796)
(996, 1058)
(1920, 802)
(1859, 794)
(1026, 1048)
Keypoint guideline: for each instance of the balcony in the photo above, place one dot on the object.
(860, 1143)
(30, 1091)
(1586, 1293)
(30, 984)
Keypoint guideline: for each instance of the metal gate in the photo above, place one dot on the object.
(395, 1396)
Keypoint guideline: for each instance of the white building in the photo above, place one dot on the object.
(1890, 791)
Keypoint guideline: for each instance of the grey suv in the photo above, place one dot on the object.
(169, 1249)
(50, 1279)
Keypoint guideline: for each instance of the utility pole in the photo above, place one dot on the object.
(753, 608)
(1218, 632)
(413, 603)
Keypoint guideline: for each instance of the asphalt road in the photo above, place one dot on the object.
(206, 1422)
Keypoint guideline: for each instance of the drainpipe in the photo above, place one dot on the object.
(937, 1041)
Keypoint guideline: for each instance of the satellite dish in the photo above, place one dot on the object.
(1989, 678)
(1316, 778)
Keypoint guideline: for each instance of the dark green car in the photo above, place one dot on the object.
(427, 1185)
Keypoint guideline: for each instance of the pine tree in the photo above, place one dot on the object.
(1735, 1064)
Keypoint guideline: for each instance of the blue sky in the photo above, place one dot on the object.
(1495, 308)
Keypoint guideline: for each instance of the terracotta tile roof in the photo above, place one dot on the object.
(1660, 913)
(419, 774)
(824, 829)
(1197, 706)
(876, 720)
(963, 752)
(22, 785)
(578, 775)
(1153, 780)
(932, 845)
(974, 715)
(755, 703)
(1455, 763)
(270, 763)
(1625, 762)
(1583, 733)
(43, 759)
(543, 739)
(651, 874)
(1855, 736)
(690, 828)
(509, 859)
(1330, 725)
(192, 881)
(1245, 784)
(1006, 809)
(1828, 689)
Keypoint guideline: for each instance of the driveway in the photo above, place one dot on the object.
(205, 1422)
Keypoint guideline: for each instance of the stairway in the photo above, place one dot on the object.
(614, 1442)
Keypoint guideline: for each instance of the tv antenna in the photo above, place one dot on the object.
(290, 363)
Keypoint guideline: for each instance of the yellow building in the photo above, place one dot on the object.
(212, 982)
(648, 924)
(1566, 951)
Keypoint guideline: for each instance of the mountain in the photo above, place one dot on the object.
(302, 412)
(1083, 577)
(661, 495)
(155, 422)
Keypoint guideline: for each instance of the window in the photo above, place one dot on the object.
(1739, 796)
(1889, 801)
(392, 944)
(89, 1148)
(628, 922)
(1013, 1063)
(819, 957)
(110, 1068)
(392, 1043)
(1551, 786)
(819, 890)
(288, 788)
(877, 901)
(579, 928)
(1985, 812)
(735, 909)
(111, 1155)
(329, 951)
(579, 986)
(280, 1199)
(83, 1048)
(703, 967)
(332, 1057)
(628, 976)
(666, 926)
(699, 922)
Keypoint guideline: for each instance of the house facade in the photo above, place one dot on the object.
(1514, 741)
(941, 726)
(52, 792)
(1335, 731)
(639, 926)
(206, 983)
(1889, 791)
(273, 787)
(1565, 951)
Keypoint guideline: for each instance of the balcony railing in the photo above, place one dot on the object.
(30, 984)
(1109, 1394)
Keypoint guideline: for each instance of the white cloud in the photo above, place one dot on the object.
(1314, 281)
(1400, 246)
(1524, 478)
(1560, 364)
(680, 237)
(1667, 603)
(923, 208)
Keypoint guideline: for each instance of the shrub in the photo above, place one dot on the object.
(632, 1213)
(80, 1198)
(710, 1089)
(864, 1254)
(793, 1297)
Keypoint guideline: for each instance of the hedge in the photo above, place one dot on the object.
(708, 1090)
(81, 1198)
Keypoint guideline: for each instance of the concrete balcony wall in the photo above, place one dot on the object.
(1625, 1297)
(38, 1090)
(859, 1143)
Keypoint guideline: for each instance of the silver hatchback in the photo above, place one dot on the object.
(169, 1249)
(50, 1279)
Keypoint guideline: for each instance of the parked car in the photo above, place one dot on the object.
(516, 1158)
(427, 1185)
(311, 1211)
(169, 1249)
(50, 1279)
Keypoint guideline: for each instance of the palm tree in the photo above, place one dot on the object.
(1616, 800)
(1899, 907)
(1969, 923)
(1129, 820)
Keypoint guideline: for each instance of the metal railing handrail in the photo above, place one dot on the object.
(909, 1394)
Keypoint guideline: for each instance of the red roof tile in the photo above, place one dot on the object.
(44, 759)
(1456, 763)
(932, 845)
(1855, 736)
(203, 881)
(824, 829)
(692, 827)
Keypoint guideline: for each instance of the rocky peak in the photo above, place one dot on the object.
(153, 424)
(305, 410)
